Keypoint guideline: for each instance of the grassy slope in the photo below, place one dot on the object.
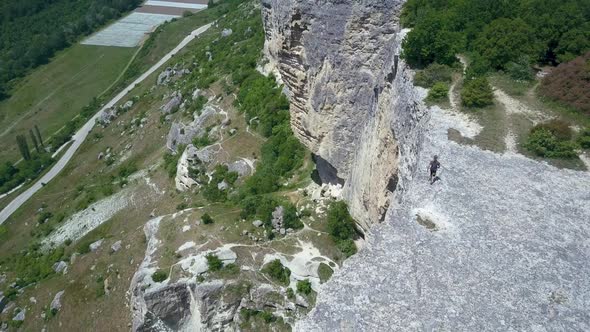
(82, 306)
(55, 93)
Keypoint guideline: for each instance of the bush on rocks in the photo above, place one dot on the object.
(159, 276)
(214, 263)
(304, 287)
(276, 271)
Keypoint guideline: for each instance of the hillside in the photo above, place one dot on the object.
(192, 186)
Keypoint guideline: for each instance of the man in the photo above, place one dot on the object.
(433, 167)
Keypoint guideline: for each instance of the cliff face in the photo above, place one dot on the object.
(352, 100)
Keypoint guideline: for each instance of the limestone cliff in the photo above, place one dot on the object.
(352, 100)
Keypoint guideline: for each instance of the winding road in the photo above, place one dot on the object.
(83, 132)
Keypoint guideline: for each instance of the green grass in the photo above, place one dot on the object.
(53, 94)
(510, 86)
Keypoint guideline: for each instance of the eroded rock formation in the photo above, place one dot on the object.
(352, 103)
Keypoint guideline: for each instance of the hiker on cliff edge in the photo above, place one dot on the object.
(433, 168)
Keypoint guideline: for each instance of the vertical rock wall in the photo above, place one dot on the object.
(352, 100)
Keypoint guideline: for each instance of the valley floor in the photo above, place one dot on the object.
(500, 241)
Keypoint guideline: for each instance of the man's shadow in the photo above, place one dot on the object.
(436, 178)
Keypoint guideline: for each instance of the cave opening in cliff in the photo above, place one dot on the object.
(324, 172)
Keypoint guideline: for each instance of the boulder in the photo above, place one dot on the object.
(95, 245)
(60, 267)
(174, 102)
(223, 185)
(241, 167)
(300, 301)
(183, 179)
(283, 231)
(20, 316)
(56, 303)
(277, 217)
(164, 76)
(116, 246)
(183, 134)
(127, 106)
(257, 223)
(226, 32)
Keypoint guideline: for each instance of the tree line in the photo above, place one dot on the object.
(498, 32)
(31, 31)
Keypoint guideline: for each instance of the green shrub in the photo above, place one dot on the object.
(290, 293)
(248, 314)
(325, 272)
(171, 161)
(181, 206)
(290, 218)
(159, 276)
(520, 70)
(438, 92)
(432, 74)
(67, 242)
(127, 169)
(207, 219)
(304, 287)
(276, 271)
(347, 247)
(342, 228)
(583, 140)
(340, 223)
(211, 191)
(544, 143)
(44, 216)
(477, 93)
(214, 263)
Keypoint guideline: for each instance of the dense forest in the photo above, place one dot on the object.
(31, 31)
(498, 32)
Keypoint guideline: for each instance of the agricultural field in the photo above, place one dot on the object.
(53, 94)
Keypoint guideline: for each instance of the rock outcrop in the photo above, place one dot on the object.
(183, 134)
(352, 103)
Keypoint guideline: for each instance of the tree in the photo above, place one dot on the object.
(432, 40)
(573, 43)
(477, 93)
(505, 40)
(34, 139)
(39, 139)
(520, 70)
(207, 219)
(23, 147)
